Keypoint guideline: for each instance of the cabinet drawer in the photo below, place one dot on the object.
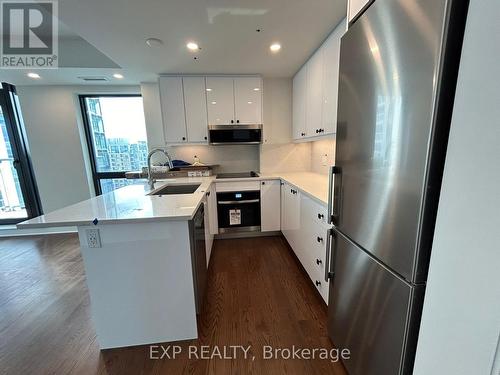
(321, 285)
(237, 186)
(319, 213)
(312, 256)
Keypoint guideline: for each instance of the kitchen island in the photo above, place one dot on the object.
(137, 253)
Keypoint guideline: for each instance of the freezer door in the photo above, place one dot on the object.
(388, 68)
(371, 312)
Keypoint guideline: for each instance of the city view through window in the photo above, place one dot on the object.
(119, 142)
(11, 198)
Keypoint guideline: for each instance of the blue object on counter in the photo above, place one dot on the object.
(180, 163)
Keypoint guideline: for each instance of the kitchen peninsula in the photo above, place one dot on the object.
(138, 263)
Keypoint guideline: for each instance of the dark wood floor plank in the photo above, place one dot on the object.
(257, 295)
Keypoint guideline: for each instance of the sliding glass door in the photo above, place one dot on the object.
(19, 198)
(116, 138)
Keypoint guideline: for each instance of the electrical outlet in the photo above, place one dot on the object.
(324, 160)
(93, 238)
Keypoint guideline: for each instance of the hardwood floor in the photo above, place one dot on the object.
(257, 295)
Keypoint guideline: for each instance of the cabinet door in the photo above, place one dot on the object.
(314, 94)
(172, 108)
(270, 205)
(220, 100)
(196, 109)
(209, 237)
(212, 210)
(299, 103)
(284, 209)
(331, 60)
(248, 100)
(293, 219)
(354, 7)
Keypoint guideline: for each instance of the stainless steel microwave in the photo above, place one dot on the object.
(235, 134)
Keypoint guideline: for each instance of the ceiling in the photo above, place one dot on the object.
(225, 30)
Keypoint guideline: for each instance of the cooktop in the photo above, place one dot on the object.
(250, 174)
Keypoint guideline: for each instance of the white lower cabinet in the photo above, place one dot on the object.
(303, 225)
(213, 223)
(209, 237)
(270, 205)
(290, 218)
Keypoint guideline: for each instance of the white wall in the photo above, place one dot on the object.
(53, 125)
(461, 318)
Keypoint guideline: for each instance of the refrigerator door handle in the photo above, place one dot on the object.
(332, 215)
(328, 272)
(330, 195)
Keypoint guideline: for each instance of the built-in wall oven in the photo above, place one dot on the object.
(238, 211)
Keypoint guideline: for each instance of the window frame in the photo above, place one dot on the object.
(16, 131)
(96, 175)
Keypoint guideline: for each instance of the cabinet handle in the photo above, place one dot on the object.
(237, 121)
(263, 182)
(318, 261)
(232, 121)
(208, 193)
(317, 131)
(303, 134)
(183, 138)
(319, 239)
(205, 138)
(321, 216)
(318, 283)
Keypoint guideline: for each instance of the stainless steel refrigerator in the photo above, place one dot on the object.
(398, 68)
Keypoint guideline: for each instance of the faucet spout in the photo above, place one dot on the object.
(151, 180)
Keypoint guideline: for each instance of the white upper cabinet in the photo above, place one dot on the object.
(331, 63)
(315, 90)
(314, 94)
(172, 108)
(299, 103)
(234, 100)
(195, 105)
(248, 100)
(354, 7)
(220, 100)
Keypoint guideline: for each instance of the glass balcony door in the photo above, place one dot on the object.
(18, 193)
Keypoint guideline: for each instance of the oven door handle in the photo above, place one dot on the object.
(238, 202)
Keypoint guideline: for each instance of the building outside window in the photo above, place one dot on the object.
(116, 133)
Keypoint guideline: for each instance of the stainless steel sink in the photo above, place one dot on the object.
(176, 189)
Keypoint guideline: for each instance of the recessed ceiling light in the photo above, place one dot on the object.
(154, 42)
(192, 46)
(256, 89)
(118, 75)
(249, 102)
(33, 75)
(209, 89)
(275, 47)
(214, 102)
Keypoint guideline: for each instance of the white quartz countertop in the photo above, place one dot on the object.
(133, 204)
(314, 185)
(128, 204)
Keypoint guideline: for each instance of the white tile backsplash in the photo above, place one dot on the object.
(322, 155)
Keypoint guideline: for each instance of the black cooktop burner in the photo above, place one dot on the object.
(251, 174)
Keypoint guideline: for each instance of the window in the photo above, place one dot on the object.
(116, 136)
(19, 199)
